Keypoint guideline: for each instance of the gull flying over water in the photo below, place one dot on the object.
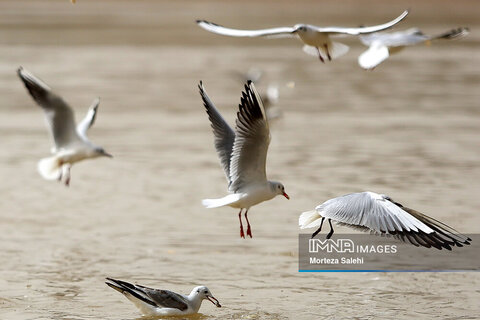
(316, 39)
(243, 154)
(378, 213)
(156, 302)
(382, 44)
(71, 141)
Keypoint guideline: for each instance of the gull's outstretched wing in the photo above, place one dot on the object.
(379, 213)
(89, 119)
(59, 115)
(376, 54)
(452, 34)
(271, 32)
(252, 137)
(154, 297)
(395, 39)
(224, 134)
(362, 30)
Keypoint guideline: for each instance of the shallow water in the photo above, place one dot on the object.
(409, 129)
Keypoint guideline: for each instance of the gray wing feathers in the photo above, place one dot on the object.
(154, 297)
(165, 298)
(89, 119)
(271, 32)
(363, 30)
(58, 114)
(453, 34)
(224, 135)
(382, 215)
(251, 141)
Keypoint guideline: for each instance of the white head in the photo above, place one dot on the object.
(302, 28)
(278, 188)
(201, 293)
(100, 152)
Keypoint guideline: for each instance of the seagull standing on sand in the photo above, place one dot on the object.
(378, 213)
(382, 45)
(156, 302)
(316, 39)
(71, 141)
(243, 154)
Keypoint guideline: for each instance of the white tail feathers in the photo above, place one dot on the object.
(309, 219)
(335, 49)
(50, 168)
(215, 203)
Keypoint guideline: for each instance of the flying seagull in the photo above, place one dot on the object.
(269, 97)
(71, 141)
(378, 213)
(382, 45)
(156, 302)
(316, 39)
(243, 154)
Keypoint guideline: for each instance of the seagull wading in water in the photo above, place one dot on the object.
(378, 213)
(156, 302)
(382, 44)
(316, 39)
(243, 154)
(71, 141)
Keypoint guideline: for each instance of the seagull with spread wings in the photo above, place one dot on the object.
(156, 302)
(316, 40)
(243, 154)
(378, 213)
(71, 141)
(382, 44)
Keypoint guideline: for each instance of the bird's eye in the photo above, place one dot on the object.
(198, 291)
(206, 292)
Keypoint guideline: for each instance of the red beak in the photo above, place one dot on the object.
(286, 195)
(216, 303)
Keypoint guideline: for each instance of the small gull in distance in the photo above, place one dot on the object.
(243, 154)
(71, 141)
(382, 44)
(381, 215)
(156, 302)
(316, 39)
(269, 97)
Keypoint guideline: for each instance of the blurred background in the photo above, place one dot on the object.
(409, 129)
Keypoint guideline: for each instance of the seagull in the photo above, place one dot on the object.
(71, 141)
(316, 39)
(382, 45)
(268, 97)
(156, 302)
(243, 154)
(381, 215)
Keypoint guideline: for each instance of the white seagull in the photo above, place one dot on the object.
(243, 154)
(382, 45)
(316, 39)
(381, 215)
(71, 141)
(156, 302)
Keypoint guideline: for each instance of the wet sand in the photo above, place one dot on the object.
(410, 129)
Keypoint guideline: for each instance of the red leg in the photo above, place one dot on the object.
(328, 53)
(249, 230)
(242, 235)
(67, 180)
(320, 55)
